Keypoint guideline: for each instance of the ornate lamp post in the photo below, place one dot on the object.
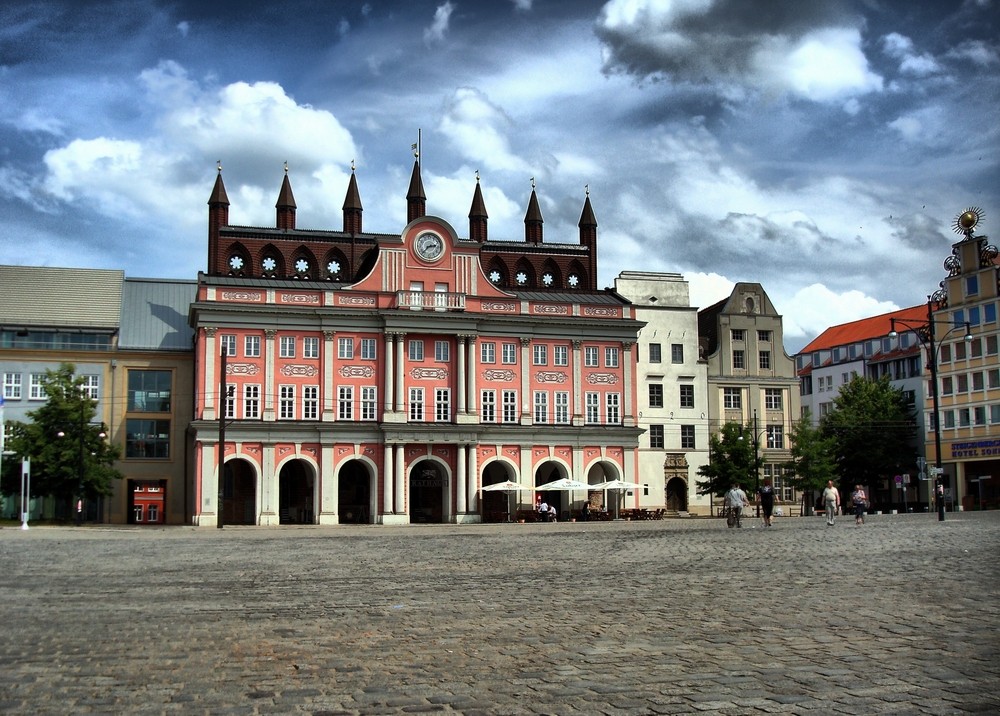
(925, 334)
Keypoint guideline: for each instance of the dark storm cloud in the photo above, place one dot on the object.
(703, 41)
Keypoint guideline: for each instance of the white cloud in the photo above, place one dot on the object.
(522, 5)
(977, 52)
(707, 289)
(439, 26)
(924, 126)
(184, 27)
(815, 308)
(343, 27)
(901, 48)
(479, 130)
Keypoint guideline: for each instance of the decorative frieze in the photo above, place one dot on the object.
(290, 370)
(601, 312)
(242, 296)
(356, 371)
(242, 369)
(429, 373)
(355, 300)
(550, 310)
(602, 379)
(299, 298)
(551, 376)
(495, 374)
(498, 306)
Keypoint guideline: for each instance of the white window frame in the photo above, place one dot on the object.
(732, 398)
(442, 405)
(310, 347)
(593, 403)
(286, 346)
(561, 407)
(613, 408)
(590, 356)
(508, 354)
(539, 354)
(488, 352)
(415, 350)
(369, 402)
(251, 346)
(510, 409)
(369, 349)
(345, 402)
(286, 402)
(310, 402)
(12, 386)
(90, 385)
(487, 406)
(36, 391)
(416, 405)
(251, 401)
(227, 343)
(345, 348)
(442, 351)
(540, 401)
(611, 357)
(772, 398)
(560, 355)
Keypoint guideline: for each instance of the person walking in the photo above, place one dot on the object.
(831, 499)
(735, 500)
(765, 496)
(860, 502)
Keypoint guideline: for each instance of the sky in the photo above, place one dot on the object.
(821, 149)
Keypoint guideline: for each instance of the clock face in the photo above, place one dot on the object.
(429, 246)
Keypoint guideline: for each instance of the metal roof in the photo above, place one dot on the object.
(570, 297)
(60, 297)
(154, 314)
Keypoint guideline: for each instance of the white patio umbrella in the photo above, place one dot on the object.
(618, 486)
(508, 487)
(565, 484)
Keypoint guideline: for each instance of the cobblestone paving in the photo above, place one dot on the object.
(680, 616)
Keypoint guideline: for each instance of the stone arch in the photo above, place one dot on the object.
(523, 269)
(356, 491)
(240, 478)
(306, 271)
(602, 470)
(551, 275)
(429, 490)
(549, 469)
(498, 266)
(238, 261)
(675, 481)
(271, 262)
(498, 506)
(576, 270)
(366, 264)
(335, 266)
(297, 491)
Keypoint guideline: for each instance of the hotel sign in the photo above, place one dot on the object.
(976, 448)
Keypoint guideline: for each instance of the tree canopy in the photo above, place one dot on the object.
(813, 459)
(872, 428)
(734, 460)
(69, 452)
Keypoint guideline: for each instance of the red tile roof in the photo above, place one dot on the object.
(866, 329)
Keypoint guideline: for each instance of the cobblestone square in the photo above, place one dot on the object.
(676, 616)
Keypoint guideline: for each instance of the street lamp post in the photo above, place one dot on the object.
(80, 466)
(925, 334)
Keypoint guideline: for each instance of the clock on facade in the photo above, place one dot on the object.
(429, 246)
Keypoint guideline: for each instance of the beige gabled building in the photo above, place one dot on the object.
(751, 379)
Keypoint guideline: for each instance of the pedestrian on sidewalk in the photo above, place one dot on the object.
(860, 501)
(831, 498)
(735, 500)
(765, 496)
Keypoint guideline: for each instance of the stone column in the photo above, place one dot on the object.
(267, 399)
(387, 481)
(461, 484)
(400, 401)
(387, 398)
(460, 346)
(211, 386)
(472, 400)
(576, 395)
(328, 388)
(628, 414)
(472, 476)
(526, 381)
(400, 477)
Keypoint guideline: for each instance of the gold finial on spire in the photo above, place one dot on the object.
(352, 166)
(218, 165)
(532, 183)
(416, 154)
(477, 176)
(586, 188)
(286, 166)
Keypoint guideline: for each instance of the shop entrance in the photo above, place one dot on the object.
(354, 493)
(239, 493)
(427, 485)
(295, 493)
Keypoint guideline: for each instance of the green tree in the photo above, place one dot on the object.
(733, 460)
(813, 461)
(872, 428)
(69, 453)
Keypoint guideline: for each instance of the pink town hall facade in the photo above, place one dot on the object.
(357, 377)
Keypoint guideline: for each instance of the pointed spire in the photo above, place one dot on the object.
(286, 204)
(218, 216)
(587, 217)
(533, 218)
(477, 215)
(352, 206)
(416, 202)
(588, 237)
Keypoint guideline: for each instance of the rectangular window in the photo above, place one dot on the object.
(613, 411)
(687, 437)
(991, 345)
(949, 419)
(286, 402)
(488, 406)
(947, 387)
(310, 347)
(345, 348)
(286, 347)
(12, 386)
(687, 396)
(227, 344)
(593, 403)
(416, 350)
(732, 398)
(610, 357)
(369, 397)
(963, 383)
(442, 351)
(772, 398)
(417, 405)
(655, 395)
(971, 285)
(960, 352)
(979, 415)
(147, 439)
(251, 346)
(655, 353)
(977, 381)
(677, 353)
(562, 407)
(541, 404)
(442, 405)
(775, 437)
(738, 362)
(945, 353)
(993, 378)
(539, 354)
(765, 360)
(974, 315)
(990, 313)
(656, 437)
(510, 411)
(149, 391)
(35, 389)
(975, 348)
(251, 402)
(345, 402)
(995, 413)
(737, 334)
(964, 417)
(487, 352)
(560, 355)
(369, 348)
(508, 353)
(230, 407)
(310, 402)
(590, 356)
(763, 336)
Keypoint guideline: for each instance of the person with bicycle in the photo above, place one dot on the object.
(735, 500)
